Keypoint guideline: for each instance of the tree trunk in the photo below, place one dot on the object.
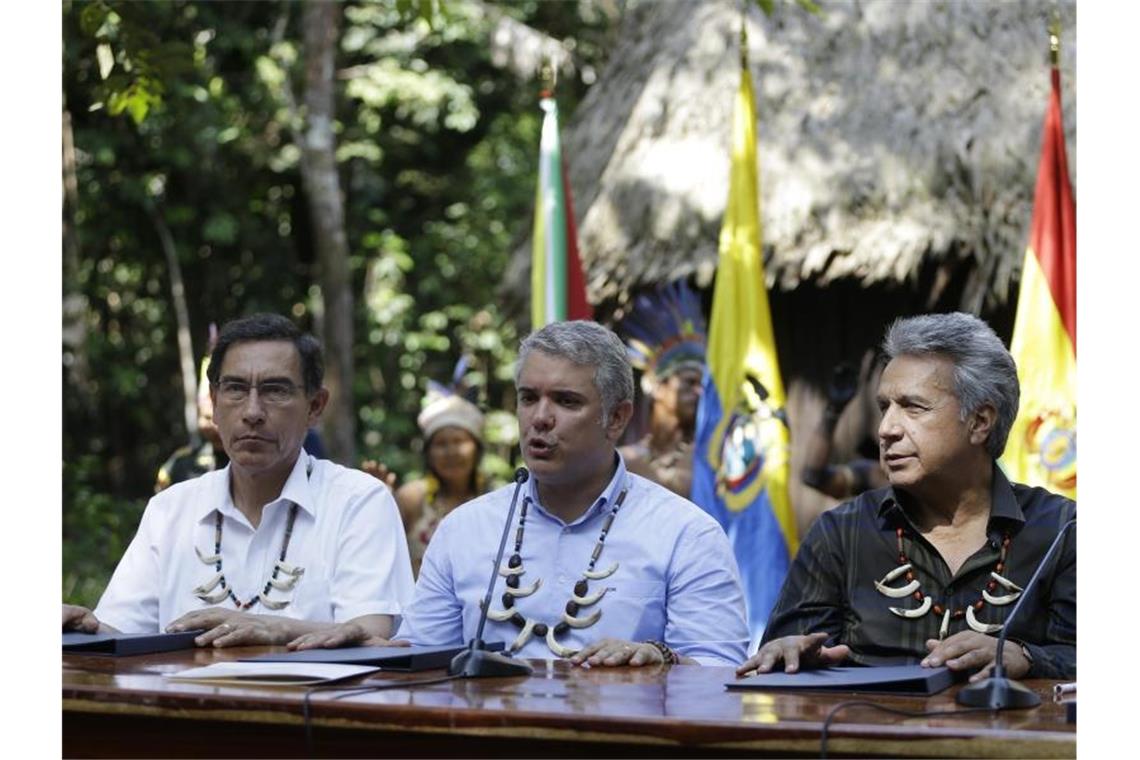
(321, 22)
(182, 317)
(74, 302)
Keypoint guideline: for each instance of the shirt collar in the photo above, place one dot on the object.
(608, 495)
(1003, 501)
(297, 489)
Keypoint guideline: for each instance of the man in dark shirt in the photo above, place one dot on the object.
(927, 569)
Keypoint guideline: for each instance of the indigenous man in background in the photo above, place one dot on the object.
(665, 333)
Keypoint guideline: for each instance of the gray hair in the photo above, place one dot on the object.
(984, 370)
(586, 344)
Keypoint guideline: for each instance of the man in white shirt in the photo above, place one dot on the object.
(278, 544)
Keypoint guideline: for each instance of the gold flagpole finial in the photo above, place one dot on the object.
(1054, 37)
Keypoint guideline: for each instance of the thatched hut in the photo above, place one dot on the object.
(898, 147)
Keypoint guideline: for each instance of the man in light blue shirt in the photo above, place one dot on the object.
(602, 566)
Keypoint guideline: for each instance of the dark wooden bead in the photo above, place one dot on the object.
(540, 629)
(571, 608)
(581, 587)
(514, 561)
(918, 596)
(561, 628)
(508, 601)
(518, 620)
(513, 581)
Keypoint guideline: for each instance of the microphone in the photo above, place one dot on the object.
(477, 661)
(998, 692)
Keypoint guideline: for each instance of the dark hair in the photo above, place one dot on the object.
(259, 327)
(984, 371)
(475, 482)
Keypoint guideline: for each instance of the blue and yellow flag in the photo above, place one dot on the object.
(740, 468)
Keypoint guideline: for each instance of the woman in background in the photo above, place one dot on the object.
(453, 448)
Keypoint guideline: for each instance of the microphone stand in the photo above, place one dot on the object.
(998, 692)
(477, 661)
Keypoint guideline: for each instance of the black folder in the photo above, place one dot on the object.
(127, 644)
(402, 659)
(893, 679)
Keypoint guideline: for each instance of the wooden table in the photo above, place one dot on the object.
(125, 707)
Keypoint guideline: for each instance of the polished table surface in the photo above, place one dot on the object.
(126, 707)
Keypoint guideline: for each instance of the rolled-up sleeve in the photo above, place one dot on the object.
(705, 616)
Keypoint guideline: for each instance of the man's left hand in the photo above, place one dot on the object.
(230, 628)
(967, 650)
(615, 652)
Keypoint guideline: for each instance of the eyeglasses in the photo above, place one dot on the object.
(273, 392)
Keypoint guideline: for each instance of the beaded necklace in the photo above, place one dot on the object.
(927, 603)
(280, 568)
(579, 598)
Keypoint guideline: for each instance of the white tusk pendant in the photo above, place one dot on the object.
(294, 570)
(507, 572)
(284, 585)
(524, 636)
(917, 612)
(211, 560)
(900, 592)
(597, 575)
(581, 622)
(272, 604)
(1000, 601)
(1006, 583)
(945, 629)
(900, 570)
(525, 590)
(500, 616)
(586, 601)
(978, 625)
(557, 648)
(215, 598)
(208, 586)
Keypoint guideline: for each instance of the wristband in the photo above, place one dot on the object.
(667, 654)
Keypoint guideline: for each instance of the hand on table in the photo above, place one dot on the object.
(615, 652)
(343, 635)
(795, 651)
(76, 618)
(967, 650)
(230, 628)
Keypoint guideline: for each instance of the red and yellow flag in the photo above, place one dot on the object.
(1042, 447)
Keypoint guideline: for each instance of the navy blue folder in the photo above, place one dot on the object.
(894, 679)
(126, 644)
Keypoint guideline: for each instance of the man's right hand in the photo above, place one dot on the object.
(76, 618)
(795, 652)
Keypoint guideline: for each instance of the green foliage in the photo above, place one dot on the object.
(188, 111)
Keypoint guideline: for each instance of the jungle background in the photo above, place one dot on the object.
(369, 169)
(183, 167)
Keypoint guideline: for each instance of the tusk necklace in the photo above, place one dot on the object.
(284, 577)
(913, 588)
(581, 596)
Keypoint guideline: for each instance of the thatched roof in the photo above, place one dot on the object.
(889, 132)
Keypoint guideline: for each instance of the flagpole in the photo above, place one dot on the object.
(1054, 38)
